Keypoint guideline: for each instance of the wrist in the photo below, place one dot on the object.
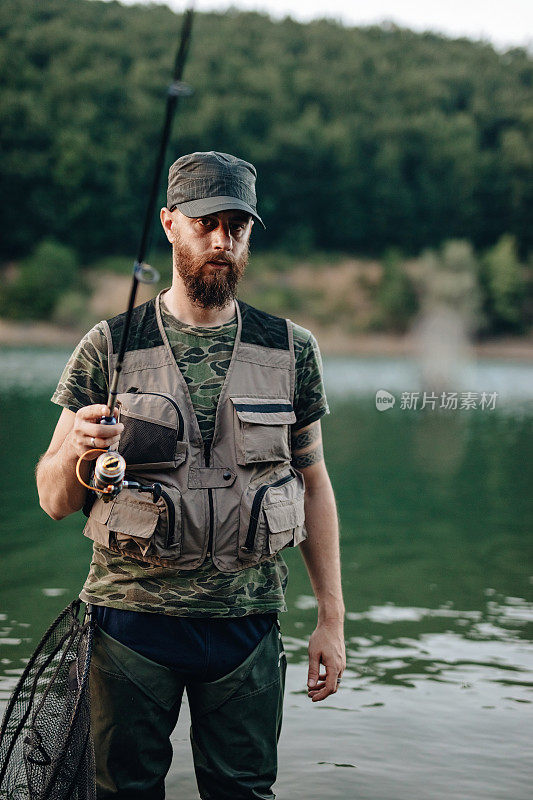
(331, 613)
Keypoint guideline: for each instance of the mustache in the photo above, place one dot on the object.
(227, 259)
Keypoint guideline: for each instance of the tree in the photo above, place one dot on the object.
(42, 278)
(504, 283)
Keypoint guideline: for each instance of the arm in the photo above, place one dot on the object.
(60, 492)
(321, 555)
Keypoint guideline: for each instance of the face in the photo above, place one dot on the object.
(209, 253)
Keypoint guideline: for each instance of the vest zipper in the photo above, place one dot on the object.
(207, 457)
(211, 522)
(171, 513)
(256, 508)
(181, 426)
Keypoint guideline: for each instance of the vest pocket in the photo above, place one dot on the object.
(170, 533)
(272, 517)
(262, 429)
(285, 524)
(139, 527)
(153, 431)
(133, 521)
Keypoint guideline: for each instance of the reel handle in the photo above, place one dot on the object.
(155, 489)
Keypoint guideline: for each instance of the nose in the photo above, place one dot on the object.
(221, 238)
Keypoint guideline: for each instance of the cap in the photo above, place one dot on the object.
(204, 183)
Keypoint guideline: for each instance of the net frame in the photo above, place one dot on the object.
(46, 750)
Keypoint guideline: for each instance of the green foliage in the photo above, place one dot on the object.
(71, 310)
(364, 138)
(504, 283)
(120, 265)
(41, 278)
(396, 299)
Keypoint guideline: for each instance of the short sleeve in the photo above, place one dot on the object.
(310, 402)
(85, 378)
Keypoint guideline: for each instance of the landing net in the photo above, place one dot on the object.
(46, 749)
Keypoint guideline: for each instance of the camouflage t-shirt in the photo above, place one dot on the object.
(203, 355)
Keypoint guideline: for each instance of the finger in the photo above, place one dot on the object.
(94, 412)
(100, 431)
(319, 688)
(103, 444)
(318, 685)
(331, 679)
(320, 682)
(314, 668)
(330, 686)
(88, 429)
(324, 692)
(110, 431)
(320, 696)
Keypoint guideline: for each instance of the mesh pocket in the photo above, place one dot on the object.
(145, 442)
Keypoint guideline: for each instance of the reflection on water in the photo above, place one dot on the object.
(36, 371)
(31, 370)
(402, 646)
(435, 513)
(361, 377)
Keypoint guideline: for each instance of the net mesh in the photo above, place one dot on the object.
(143, 442)
(46, 749)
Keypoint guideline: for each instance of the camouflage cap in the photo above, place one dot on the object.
(204, 183)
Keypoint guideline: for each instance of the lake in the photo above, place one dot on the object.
(435, 507)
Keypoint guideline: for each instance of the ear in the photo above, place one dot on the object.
(167, 221)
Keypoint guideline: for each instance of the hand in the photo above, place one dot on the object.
(87, 432)
(326, 647)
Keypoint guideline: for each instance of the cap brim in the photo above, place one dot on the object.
(210, 205)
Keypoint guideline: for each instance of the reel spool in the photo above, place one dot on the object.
(109, 472)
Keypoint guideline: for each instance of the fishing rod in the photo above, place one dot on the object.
(45, 743)
(110, 467)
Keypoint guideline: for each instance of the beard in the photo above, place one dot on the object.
(204, 286)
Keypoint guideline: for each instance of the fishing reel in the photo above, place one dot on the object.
(109, 475)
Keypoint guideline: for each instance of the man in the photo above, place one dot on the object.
(220, 403)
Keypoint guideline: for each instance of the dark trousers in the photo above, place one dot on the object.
(235, 722)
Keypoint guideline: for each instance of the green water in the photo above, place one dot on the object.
(435, 514)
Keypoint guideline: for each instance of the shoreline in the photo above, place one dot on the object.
(332, 342)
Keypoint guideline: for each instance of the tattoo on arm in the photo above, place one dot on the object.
(307, 459)
(303, 438)
(307, 446)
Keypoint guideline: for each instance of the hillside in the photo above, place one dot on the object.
(364, 138)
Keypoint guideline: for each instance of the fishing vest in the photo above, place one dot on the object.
(239, 503)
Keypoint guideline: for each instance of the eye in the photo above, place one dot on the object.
(239, 225)
(206, 222)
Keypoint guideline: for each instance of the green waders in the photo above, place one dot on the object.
(235, 723)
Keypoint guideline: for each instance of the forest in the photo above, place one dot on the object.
(365, 139)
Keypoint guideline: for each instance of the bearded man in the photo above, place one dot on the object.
(220, 403)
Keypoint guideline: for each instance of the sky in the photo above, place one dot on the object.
(505, 24)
